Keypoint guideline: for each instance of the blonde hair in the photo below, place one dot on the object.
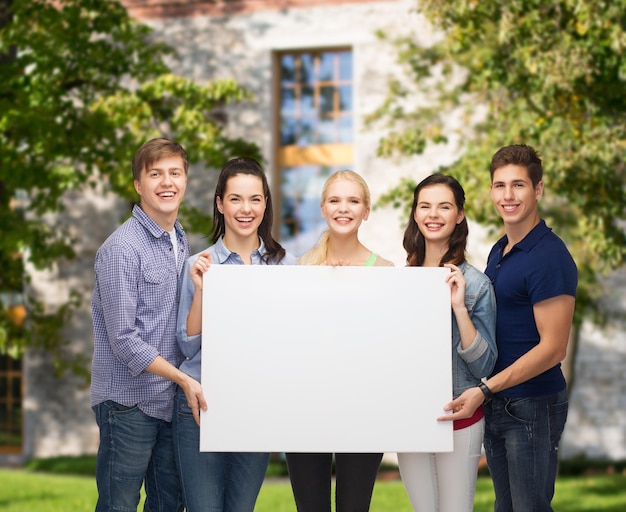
(319, 253)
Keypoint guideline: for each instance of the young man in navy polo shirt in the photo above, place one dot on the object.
(535, 279)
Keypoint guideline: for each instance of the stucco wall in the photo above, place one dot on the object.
(58, 419)
(596, 425)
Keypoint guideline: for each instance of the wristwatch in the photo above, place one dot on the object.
(486, 391)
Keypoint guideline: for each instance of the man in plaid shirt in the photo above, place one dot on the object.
(136, 356)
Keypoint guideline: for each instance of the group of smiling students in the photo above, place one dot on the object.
(136, 371)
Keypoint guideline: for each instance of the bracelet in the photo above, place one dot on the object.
(486, 391)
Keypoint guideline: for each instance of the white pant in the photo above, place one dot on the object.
(444, 482)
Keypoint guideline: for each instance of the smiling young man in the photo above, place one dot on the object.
(136, 357)
(535, 279)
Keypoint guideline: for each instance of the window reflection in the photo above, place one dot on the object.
(307, 75)
(326, 67)
(288, 131)
(326, 130)
(345, 98)
(345, 66)
(316, 91)
(287, 69)
(345, 129)
(316, 133)
(301, 219)
(327, 99)
(288, 103)
(306, 132)
(307, 101)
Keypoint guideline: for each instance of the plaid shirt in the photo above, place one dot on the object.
(134, 307)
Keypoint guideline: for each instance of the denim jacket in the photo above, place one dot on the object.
(471, 364)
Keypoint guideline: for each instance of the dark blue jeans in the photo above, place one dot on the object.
(135, 449)
(214, 482)
(521, 444)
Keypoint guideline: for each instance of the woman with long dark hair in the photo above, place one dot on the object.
(436, 235)
(242, 235)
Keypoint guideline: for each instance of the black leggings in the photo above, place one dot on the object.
(310, 475)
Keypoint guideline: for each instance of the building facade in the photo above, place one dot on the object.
(316, 69)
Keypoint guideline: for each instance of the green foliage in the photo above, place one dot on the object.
(549, 74)
(82, 87)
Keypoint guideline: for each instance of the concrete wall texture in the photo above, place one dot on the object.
(240, 45)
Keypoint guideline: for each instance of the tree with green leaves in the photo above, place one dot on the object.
(82, 86)
(551, 74)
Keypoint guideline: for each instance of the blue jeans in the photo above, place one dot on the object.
(214, 482)
(135, 449)
(521, 444)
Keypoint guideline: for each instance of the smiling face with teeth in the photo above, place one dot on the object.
(243, 207)
(344, 207)
(437, 215)
(515, 198)
(161, 188)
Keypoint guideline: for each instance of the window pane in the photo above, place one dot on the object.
(287, 69)
(10, 403)
(317, 94)
(326, 67)
(306, 132)
(307, 101)
(15, 365)
(287, 131)
(287, 100)
(345, 98)
(345, 66)
(326, 130)
(16, 388)
(327, 99)
(307, 74)
(345, 129)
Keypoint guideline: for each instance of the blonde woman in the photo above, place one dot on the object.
(345, 205)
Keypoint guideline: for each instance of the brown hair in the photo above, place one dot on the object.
(274, 252)
(153, 151)
(414, 242)
(518, 154)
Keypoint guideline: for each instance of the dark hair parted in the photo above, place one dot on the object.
(155, 150)
(274, 252)
(518, 154)
(414, 242)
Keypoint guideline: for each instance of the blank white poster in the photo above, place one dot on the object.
(325, 359)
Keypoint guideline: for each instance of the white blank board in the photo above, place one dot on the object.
(325, 359)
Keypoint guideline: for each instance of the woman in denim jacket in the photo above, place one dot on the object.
(242, 235)
(436, 236)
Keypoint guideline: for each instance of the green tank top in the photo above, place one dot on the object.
(371, 260)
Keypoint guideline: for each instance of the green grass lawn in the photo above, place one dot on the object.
(23, 490)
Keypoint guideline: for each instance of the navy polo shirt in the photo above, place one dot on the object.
(537, 268)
